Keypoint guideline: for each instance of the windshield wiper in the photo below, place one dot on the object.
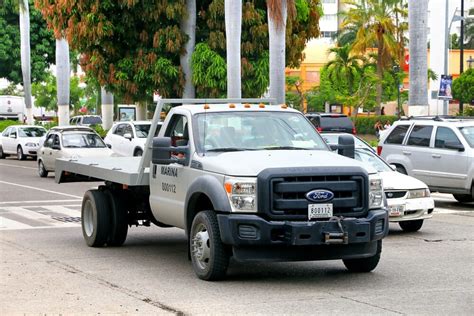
(227, 149)
(285, 148)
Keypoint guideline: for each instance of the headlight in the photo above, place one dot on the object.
(419, 193)
(375, 192)
(242, 193)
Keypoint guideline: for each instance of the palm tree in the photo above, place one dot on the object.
(25, 57)
(469, 31)
(188, 26)
(62, 80)
(233, 31)
(345, 67)
(375, 26)
(417, 17)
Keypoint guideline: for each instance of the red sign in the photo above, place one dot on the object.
(406, 63)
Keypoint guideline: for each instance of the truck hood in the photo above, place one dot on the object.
(251, 163)
(393, 180)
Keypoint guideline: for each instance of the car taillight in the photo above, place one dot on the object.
(379, 150)
(354, 131)
(319, 129)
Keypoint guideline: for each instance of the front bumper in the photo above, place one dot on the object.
(254, 238)
(410, 209)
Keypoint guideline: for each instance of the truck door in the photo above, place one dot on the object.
(169, 183)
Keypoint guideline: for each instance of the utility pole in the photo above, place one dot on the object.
(446, 48)
(461, 52)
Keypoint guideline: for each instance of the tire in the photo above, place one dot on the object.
(2, 154)
(364, 264)
(464, 198)
(401, 169)
(118, 220)
(209, 256)
(95, 218)
(138, 153)
(411, 226)
(42, 172)
(19, 153)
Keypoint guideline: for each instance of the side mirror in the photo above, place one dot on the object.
(128, 136)
(345, 146)
(454, 145)
(162, 149)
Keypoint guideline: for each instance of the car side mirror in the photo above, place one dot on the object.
(346, 146)
(128, 136)
(454, 145)
(163, 153)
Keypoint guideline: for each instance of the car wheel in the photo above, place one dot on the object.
(209, 257)
(2, 154)
(95, 218)
(411, 226)
(43, 173)
(19, 153)
(119, 225)
(464, 198)
(401, 169)
(364, 264)
(138, 152)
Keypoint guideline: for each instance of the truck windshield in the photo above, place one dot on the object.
(237, 131)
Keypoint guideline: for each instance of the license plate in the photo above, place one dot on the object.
(319, 210)
(396, 210)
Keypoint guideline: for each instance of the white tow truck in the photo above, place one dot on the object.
(244, 179)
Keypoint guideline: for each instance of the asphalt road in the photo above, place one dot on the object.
(46, 267)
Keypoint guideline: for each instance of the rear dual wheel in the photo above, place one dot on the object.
(103, 219)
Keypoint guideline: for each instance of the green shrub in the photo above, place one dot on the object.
(365, 124)
(468, 110)
(6, 123)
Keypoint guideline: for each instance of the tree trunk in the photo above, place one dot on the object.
(107, 108)
(63, 74)
(233, 31)
(417, 26)
(141, 111)
(188, 26)
(378, 88)
(277, 44)
(25, 57)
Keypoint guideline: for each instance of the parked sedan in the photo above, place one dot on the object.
(408, 200)
(21, 140)
(69, 142)
(129, 138)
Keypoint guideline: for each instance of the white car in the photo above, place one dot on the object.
(128, 138)
(21, 140)
(69, 142)
(409, 201)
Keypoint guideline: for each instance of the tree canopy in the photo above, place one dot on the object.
(41, 41)
(463, 86)
(133, 47)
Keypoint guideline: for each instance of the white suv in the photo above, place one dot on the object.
(128, 138)
(436, 150)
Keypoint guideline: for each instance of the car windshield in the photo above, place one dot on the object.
(142, 130)
(31, 131)
(368, 157)
(237, 131)
(91, 120)
(82, 140)
(468, 133)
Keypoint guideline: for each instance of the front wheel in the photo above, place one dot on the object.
(95, 216)
(19, 153)
(2, 154)
(208, 254)
(364, 264)
(411, 226)
(42, 172)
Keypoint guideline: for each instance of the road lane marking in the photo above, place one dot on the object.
(44, 190)
(4, 164)
(30, 217)
(39, 201)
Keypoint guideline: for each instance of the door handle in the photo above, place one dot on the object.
(406, 153)
(436, 156)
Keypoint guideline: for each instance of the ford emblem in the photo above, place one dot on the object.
(319, 195)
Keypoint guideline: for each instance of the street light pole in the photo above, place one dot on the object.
(461, 52)
(446, 48)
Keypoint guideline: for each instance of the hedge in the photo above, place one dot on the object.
(4, 124)
(365, 124)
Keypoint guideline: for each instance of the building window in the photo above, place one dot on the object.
(328, 34)
(329, 18)
(329, 1)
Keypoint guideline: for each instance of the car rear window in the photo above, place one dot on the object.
(397, 135)
(91, 120)
(420, 136)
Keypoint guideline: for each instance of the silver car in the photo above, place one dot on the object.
(69, 142)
